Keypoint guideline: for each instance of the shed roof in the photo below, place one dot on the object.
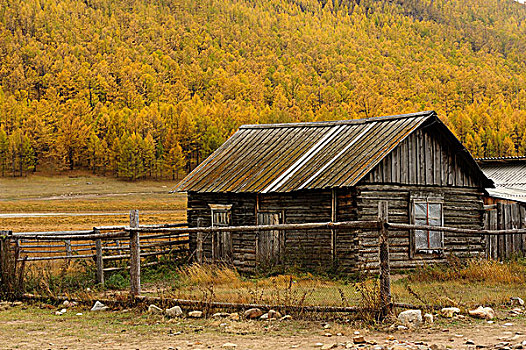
(509, 175)
(296, 156)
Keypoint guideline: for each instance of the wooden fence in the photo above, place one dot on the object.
(109, 246)
(502, 216)
(134, 240)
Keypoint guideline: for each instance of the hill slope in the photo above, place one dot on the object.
(142, 88)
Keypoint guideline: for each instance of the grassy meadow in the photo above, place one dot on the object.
(86, 194)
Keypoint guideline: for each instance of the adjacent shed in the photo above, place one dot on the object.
(505, 204)
(338, 171)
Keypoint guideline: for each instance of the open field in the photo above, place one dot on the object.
(85, 194)
(36, 327)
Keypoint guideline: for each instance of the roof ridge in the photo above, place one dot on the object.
(339, 122)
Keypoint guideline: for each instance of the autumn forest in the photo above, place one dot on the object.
(149, 88)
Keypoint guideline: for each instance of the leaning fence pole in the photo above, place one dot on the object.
(135, 254)
(385, 273)
(98, 258)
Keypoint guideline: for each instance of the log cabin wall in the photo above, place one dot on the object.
(242, 213)
(306, 248)
(422, 165)
(462, 207)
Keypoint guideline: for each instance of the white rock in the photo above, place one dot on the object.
(229, 346)
(234, 316)
(286, 318)
(98, 306)
(67, 303)
(410, 318)
(483, 312)
(329, 346)
(154, 309)
(64, 311)
(253, 313)
(428, 318)
(195, 314)
(272, 314)
(450, 311)
(175, 311)
(517, 301)
(78, 314)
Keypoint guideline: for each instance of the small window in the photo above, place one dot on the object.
(220, 215)
(428, 212)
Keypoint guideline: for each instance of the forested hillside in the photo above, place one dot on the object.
(146, 88)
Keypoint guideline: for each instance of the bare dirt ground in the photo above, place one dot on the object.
(37, 327)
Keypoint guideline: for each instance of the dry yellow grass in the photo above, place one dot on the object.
(86, 194)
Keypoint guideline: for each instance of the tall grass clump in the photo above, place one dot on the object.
(475, 270)
(206, 275)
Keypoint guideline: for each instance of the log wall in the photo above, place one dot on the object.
(424, 159)
(463, 208)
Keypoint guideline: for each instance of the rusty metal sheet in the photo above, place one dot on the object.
(290, 157)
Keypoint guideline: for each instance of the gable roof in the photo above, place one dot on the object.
(315, 155)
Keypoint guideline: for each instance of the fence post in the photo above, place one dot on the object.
(199, 242)
(135, 254)
(385, 274)
(67, 243)
(98, 258)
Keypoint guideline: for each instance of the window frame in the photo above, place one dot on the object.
(426, 199)
(220, 208)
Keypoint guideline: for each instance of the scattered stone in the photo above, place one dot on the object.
(318, 345)
(175, 311)
(234, 316)
(253, 313)
(516, 301)
(359, 339)
(437, 347)
(328, 334)
(399, 347)
(329, 346)
(67, 303)
(98, 306)
(410, 318)
(449, 312)
(264, 317)
(273, 314)
(402, 328)
(486, 313)
(229, 346)
(428, 318)
(58, 313)
(220, 315)
(78, 314)
(154, 309)
(470, 342)
(195, 314)
(508, 324)
(326, 326)
(286, 318)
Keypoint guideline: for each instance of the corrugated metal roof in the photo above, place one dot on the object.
(296, 156)
(509, 175)
(512, 194)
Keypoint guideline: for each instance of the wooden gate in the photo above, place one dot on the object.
(504, 217)
(270, 244)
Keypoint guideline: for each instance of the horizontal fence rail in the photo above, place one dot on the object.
(130, 247)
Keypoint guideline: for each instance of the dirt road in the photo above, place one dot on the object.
(31, 327)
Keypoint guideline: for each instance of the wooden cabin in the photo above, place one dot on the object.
(338, 171)
(505, 204)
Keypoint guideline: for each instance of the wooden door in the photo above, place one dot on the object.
(221, 241)
(270, 244)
